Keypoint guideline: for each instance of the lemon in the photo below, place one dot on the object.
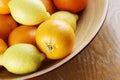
(66, 16)
(21, 58)
(28, 12)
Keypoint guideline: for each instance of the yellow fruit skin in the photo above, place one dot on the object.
(22, 59)
(55, 38)
(28, 12)
(66, 16)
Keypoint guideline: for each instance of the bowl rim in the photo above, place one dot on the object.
(63, 61)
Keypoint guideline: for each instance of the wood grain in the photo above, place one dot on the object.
(100, 60)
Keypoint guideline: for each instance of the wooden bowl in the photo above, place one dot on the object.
(89, 23)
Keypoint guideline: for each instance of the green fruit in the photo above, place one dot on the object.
(21, 58)
(28, 12)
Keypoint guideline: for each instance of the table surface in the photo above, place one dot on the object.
(100, 60)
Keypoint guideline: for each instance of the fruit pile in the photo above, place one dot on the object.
(32, 30)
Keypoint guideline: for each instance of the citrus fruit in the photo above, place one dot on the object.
(4, 9)
(69, 17)
(71, 5)
(55, 38)
(22, 34)
(7, 24)
(3, 46)
(28, 12)
(21, 59)
(50, 7)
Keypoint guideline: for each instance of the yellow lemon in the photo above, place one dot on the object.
(22, 58)
(69, 17)
(28, 12)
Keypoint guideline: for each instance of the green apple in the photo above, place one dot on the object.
(21, 58)
(28, 12)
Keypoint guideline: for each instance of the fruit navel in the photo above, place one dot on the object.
(49, 48)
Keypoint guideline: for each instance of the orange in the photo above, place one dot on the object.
(70, 5)
(7, 24)
(50, 7)
(55, 38)
(22, 34)
(3, 46)
(4, 9)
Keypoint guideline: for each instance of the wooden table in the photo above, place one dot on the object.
(100, 60)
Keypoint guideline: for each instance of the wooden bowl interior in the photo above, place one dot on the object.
(89, 23)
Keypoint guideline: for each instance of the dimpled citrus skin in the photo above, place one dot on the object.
(21, 59)
(55, 38)
(28, 12)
